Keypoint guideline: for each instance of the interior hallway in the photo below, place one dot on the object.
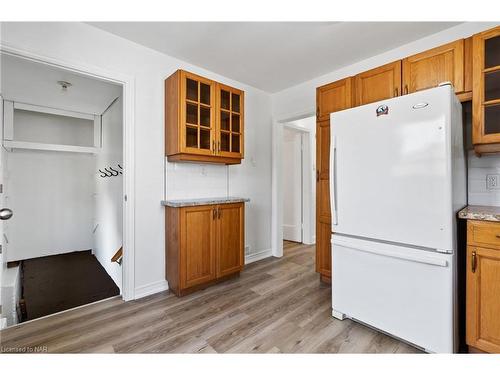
(276, 305)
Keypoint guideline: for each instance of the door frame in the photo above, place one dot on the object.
(128, 87)
(277, 179)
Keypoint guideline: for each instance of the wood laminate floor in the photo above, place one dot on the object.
(275, 306)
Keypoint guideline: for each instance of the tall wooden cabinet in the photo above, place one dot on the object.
(483, 286)
(203, 120)
(486, 91)
(204, 244)
(330, 98)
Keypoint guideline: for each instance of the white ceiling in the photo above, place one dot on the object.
(30, 82)
(272, 56)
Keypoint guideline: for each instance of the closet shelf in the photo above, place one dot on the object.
(50, 147)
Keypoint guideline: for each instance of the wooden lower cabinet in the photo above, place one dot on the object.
(483, 286)
(203, 245)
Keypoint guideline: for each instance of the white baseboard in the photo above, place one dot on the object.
(149, 289)
(250, 258)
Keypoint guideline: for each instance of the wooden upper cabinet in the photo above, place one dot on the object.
(230, 121)
(430, 68)
(377, 84)
(333, 97)
(194, 121)
(486, 91)
(230, 239)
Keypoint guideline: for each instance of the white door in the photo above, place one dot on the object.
(391, 174)
(292, 185)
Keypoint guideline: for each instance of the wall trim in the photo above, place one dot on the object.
(152, 288)
(250, 258)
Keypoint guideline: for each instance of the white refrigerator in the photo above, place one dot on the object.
(397, 180)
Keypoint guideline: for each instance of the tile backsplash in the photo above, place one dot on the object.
(478, 169)
(190, 180)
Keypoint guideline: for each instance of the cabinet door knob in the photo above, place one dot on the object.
(214, 213)
(219, 213)
(473, 262)
(406, 89)
(396, 91)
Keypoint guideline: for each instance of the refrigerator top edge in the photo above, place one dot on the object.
(425, 95)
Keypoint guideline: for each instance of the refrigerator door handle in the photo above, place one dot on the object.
(433, 261)
(333, 181)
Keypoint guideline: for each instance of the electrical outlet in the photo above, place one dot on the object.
(492, 181)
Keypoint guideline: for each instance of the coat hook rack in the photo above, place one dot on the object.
(111, 172)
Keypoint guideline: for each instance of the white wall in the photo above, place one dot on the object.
(301, 99)
(49, 192)
(108, 202)
(149, 68)
(292, 185)
(47, 128)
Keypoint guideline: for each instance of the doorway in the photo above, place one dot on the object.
(294, 200)
(64, 171)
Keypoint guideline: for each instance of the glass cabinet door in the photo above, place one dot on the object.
(230, 122)
(198, 114)
(486, 89)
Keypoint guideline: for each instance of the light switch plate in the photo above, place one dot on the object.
(492, 181)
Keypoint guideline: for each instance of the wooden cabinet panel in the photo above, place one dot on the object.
(230, 116)
(483, 299)
(483, 233)
(377, 84)
(486, 91)
(194, 119)
(333, 97)
(323, 249)
(429, 68)
(198, 244)
(204, 244)
(323, 212)
(230, 238)
(329, 98)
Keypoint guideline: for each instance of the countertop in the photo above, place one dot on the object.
(202, 201)
(485, 213)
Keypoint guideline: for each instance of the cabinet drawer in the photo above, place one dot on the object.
(483, 233)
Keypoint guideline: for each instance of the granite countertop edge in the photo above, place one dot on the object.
(202, 201)
(484, 213)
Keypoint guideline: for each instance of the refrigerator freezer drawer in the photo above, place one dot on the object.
(406, 292)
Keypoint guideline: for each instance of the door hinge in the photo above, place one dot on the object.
(125, 197)
(1, 249)
(1, 188)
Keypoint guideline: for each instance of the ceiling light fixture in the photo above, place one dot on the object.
(64, 85)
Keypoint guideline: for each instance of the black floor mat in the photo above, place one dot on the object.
(60, 282)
